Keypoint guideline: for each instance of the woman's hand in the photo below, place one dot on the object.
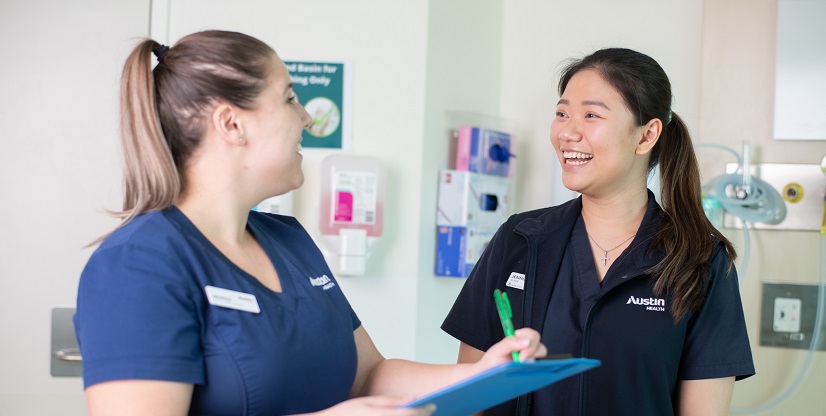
(377, 406)
(525, 340)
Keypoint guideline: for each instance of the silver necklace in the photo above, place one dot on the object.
(604, 251)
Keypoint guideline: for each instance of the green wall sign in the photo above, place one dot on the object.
(321, 88)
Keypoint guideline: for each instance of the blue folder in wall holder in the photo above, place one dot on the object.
(500, 384)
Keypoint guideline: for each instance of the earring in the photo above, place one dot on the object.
(241, 139)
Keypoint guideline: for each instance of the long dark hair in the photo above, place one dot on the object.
(164, 110)
(686, 236)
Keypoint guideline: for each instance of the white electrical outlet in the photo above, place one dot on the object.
(787, 314)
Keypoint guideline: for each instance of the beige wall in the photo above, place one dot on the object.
(539, 35)
(719, 55)
(463, 75)
(412, 61)
(737, 104)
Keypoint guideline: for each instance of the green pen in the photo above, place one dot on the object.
(505, 315)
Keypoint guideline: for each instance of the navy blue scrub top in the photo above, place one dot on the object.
(142, 313)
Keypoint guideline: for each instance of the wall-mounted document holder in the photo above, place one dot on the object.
(470, 208)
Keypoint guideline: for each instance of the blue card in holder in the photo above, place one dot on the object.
(500, 384)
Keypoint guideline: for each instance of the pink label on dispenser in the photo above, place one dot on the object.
(344, 207)
(354, 198)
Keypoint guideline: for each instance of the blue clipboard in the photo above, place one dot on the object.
(500, 384)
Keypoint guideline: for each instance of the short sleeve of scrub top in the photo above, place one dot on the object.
(143, 313)
(717, 342)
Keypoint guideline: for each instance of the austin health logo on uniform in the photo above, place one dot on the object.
(651, 304)
(322, 281)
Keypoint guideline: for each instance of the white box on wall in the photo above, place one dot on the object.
(472, 200)
(471, 207)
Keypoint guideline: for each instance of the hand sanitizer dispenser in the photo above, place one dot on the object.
(352, 205)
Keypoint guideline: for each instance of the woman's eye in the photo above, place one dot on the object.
(591, 115)
(561, 114)
(293, 98)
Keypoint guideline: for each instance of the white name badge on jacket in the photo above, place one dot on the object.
(231, 299)
(516, 281)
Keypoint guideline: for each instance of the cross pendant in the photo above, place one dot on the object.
(604, 259)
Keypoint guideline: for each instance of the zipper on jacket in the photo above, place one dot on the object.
(586, 339)
(523, 403)
(530, 276)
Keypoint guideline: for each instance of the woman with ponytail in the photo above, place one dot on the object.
(197, 305)
(648, 289)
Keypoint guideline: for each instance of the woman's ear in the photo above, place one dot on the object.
(650, 134)
(227, 124)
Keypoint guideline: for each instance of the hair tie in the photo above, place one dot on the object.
(669, 117)
(160, 51)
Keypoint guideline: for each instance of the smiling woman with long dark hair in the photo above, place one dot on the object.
(647, 288)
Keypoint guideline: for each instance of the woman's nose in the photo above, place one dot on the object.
(308, 120)
(569, 133)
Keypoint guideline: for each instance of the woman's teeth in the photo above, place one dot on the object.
(577, 158)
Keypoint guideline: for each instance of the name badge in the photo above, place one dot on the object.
(516, 281)
(231, 299)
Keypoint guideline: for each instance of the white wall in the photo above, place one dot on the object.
(59, 170)
(61, 167)
(412, 62)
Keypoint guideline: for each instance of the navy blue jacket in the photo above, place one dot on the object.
(644, 353)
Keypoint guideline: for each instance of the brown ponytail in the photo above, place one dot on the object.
(686, 233)
(150, 179)
(163, 110)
